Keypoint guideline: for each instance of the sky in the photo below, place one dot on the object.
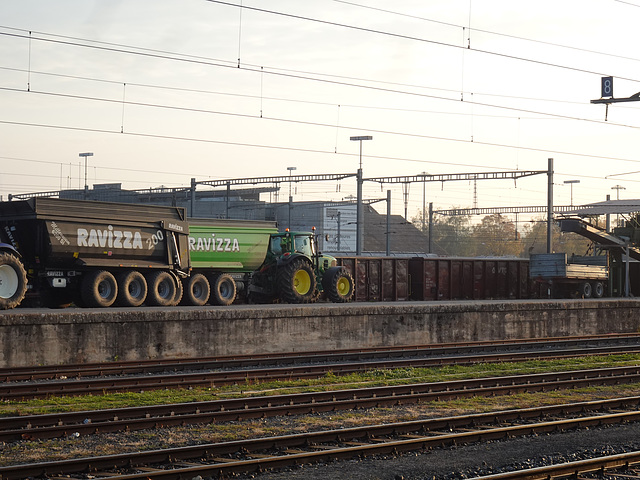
(162, 91)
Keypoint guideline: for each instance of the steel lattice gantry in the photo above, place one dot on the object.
(446, 177)
(501, 210)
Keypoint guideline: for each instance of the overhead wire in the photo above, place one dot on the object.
(417, 39)
(323, 80)
(490, 32)
(430, 137)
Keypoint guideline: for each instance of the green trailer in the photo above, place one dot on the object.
(224, 254)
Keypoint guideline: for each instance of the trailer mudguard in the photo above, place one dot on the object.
(6, 247)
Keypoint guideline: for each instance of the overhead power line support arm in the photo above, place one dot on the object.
(606, 96)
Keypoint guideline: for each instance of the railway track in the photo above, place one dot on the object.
(253, 455)
(233, 409)
(580, 343)
(39, 382)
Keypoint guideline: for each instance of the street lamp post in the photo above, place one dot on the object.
(85, 155)
(291, 169)
(571, 182)
(359, 215)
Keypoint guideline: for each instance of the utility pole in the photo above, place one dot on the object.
(86, 187)
(359, 213)
(550, 206)
(388, 223)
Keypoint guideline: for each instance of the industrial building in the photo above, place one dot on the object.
(335, 222)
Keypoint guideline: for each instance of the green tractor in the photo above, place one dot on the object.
(294, 271)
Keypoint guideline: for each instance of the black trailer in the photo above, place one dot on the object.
(95, 254)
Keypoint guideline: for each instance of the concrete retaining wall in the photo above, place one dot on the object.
(47, 337)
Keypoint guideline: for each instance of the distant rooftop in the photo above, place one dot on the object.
(607, 207)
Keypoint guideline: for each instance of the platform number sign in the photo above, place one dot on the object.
(607, 87)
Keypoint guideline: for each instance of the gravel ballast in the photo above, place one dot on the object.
(473, 460)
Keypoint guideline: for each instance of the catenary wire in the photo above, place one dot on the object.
(417, 39)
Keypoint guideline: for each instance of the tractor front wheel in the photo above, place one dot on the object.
(337, 283)
(297, 283)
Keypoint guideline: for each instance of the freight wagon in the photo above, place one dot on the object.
(438, 278)
(563, 277)
(98, 254)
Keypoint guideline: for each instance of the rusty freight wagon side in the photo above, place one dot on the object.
(438, 278)
(378, 279)
(449, 278)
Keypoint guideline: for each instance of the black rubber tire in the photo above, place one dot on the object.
(598, 289)
(223, 289)
(13, 281)
(162, 288)
(296, 282)
(99, 289)
(196, 290)
(585, 290)
(337, 284)
(179, 289)
(132, 289)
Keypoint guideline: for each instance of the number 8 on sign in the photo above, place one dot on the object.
(607, 87)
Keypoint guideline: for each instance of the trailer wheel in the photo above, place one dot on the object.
(597, 289)
(224, 289)
(296, 282)
(162, 289)
(585, 290)
(132, 289)
(337, 283)
(179, 289)
(99, 289)
(13, 281)
(196, 290)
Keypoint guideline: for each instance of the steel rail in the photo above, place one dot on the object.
(90, 386)
(234, 409)
(247, 456)
(46, 372)
(604, 465)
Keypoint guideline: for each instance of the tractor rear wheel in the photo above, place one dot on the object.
(337, 283)
(13, 281)
(296, 282)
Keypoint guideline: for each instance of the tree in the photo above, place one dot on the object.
(496, 236)
(451, 235)
(535, 239)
